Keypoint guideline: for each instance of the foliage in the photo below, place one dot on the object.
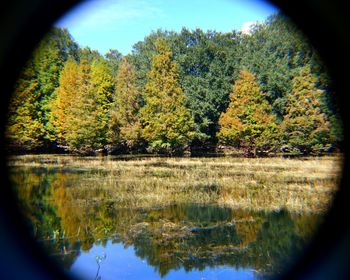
(30, 109)
(113, 59)
(124, 123)
(78, 98)
(167, 124)
(207, 67)
(273, 51)
(248, 122)
(83, 104)
(25, 127)
(305, 126)
(62, 105)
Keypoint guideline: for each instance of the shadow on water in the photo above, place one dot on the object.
(178, 238)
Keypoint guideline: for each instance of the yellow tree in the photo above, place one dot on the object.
(167, 123)
(25, 128)
(66, 96)
(124, 125)
(305, 127)
(81, 109)
(248, 122)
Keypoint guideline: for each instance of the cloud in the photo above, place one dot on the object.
(247, 27)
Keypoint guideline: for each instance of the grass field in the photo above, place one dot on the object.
(298, 185)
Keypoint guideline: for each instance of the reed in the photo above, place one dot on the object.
(300, 185)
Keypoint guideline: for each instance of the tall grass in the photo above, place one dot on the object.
(300, 185)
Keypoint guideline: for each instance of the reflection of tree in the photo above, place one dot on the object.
(68, 221)
(278, 242)
(34, 190)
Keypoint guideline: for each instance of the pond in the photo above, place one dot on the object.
(99, 233)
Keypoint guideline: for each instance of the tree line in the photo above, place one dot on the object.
(261, 92)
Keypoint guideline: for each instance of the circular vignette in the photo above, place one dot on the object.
(23, 23)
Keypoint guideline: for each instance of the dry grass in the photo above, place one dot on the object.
(254, 184)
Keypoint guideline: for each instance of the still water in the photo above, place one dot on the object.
(98, 239)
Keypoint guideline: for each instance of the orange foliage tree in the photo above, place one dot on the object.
(248, 122)
(305, 127)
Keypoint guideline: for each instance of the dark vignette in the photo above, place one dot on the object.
(23, 23)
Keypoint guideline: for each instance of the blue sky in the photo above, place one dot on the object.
(119, 24)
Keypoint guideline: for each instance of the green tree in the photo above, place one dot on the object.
(25, 128)
(248, 122)
(88, 54)
(50, 57)
(144, 51)
(125, 126)
(208, 61)
(102, 87)
(273, 51)
(305, 126)
(113, 59)
(30, 114)
(167, 123)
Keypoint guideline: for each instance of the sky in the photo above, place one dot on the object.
(119, 24)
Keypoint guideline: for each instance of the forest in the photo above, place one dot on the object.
(256, 93)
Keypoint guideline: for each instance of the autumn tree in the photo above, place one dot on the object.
(67, 92)
(73, 117)
(83, 103)
(73, 103)
(49, 59)
(167, 123)
(305, 126)
(102, 87)
(25, 128)
(248, 122)
(29, 123)
(124, 124)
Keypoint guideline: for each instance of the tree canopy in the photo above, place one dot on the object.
(248, 122)
(167, 123)
(176, 90)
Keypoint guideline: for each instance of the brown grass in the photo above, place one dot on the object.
(254, 184)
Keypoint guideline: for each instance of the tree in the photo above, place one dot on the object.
(113, 59)
(143, 53)
(305, 126)
(65, 98)
(88, 55)
(102, 89)
(30, 111)
(25, 128)
(49, 59)
(72, 103)
(248, 122)
(167, 123)
(78, 113)
(273, 50)
(124, 125)
(83, 104)
(207, 62)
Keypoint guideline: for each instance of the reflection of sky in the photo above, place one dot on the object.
(119, 24)
(123, 264)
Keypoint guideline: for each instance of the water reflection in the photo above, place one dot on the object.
(99, 239)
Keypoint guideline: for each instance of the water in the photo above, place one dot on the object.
(122, 263)
(96, 238)
(181, 242)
